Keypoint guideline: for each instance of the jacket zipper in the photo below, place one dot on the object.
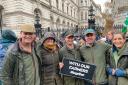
(93, 61)
(34, 70)
(53, 75)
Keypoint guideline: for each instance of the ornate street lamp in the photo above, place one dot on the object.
(91, 20)
(38, 25)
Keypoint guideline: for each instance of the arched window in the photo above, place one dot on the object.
(81, 1)
(81, 15)
(63, 6)
(85, 15)
(68, 24)
(57, 25)
(85, 2)
(74, 13)
(67, 8)
(52, 21)
(57, 4)
(71, 11)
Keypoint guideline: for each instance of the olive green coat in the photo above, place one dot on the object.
(13, 72)
(97, 55)
(123, 64)
(65, 52)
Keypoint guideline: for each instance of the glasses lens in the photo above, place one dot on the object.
(28, 33)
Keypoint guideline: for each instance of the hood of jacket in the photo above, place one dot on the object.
(8, 34)
(48, 35)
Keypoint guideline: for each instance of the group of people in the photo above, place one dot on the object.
(37, 62)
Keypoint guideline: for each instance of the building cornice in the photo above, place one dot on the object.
(87, 7)
(19, 13)
(74, 3)
(41, 3)
(45, 5)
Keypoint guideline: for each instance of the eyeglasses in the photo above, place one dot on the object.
(28, 33)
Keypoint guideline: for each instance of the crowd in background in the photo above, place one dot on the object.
(32, 61)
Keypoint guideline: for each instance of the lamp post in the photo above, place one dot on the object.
(38, 25)
(76, 29)
(1, 18)
(91, 20)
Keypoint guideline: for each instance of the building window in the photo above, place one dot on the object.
(81, 1)
(67, 9)
(57, 4)
(63, 6)
(81, 15)
(85, 15)
(71, 11)
(74, 13)
(85, 3)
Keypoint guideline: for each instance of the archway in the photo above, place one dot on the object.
(57, 23)
(58, 27)
(71, 25)
(52, 22)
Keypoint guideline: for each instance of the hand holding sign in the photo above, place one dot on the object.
(61, 65)
(77, 69)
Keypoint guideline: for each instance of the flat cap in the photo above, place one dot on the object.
(89, 31)
(68, 33)
(27, 28)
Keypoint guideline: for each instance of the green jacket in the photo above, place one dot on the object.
(123, 64)
(65, 52)
(13, 72)
(50, 66)
(97, 55)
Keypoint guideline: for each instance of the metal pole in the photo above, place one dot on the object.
(1, 23)
(1, 19)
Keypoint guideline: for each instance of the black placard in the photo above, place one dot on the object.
(78, 69)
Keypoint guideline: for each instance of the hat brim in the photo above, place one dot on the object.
(70, 35)
(27, 31)
(90, 33)
(50, 38)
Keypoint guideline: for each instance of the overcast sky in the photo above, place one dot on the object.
(101, 2)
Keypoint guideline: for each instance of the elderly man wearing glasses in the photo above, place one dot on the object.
(22, 64)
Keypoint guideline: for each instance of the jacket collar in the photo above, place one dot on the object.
(15, 48)
(89, 46)
(75, 47)
(122, 51)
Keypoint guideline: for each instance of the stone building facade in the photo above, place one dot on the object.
(56, 14)
(119, 11)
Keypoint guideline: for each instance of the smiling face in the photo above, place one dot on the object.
(69, 39)
(49, 41)
(27, 37)
(118, 40)
(90, 38)
(109, 35)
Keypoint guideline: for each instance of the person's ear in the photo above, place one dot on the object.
(20, 36)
